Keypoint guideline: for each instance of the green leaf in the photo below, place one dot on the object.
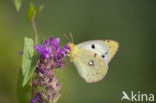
(31, 12)
(23, 93)
(39, 9)
(18, 4)
(28, 54)
(33, 66)
(30, 60)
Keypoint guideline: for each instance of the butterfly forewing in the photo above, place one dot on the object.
(106, 49)
(113, 47)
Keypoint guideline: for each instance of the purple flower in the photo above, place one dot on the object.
(50, 50)
(21, 52)
(56, 43)
(67, 47)
(44, 50)
(51, 40)
(37, 98)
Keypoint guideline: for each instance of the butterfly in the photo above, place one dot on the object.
(91, 58)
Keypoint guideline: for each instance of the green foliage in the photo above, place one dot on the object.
(33, 11)
(18, 4)
(30, 60)
(23, 93)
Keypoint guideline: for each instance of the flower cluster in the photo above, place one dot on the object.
(51, 57)
(52, 53)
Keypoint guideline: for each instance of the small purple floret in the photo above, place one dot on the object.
(37, 98)
(21, 52)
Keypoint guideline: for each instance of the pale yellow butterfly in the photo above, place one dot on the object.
(91, 58)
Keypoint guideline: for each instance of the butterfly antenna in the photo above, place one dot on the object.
(71, 36)
(66, 37)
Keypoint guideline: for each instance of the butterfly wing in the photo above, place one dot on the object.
(106, 49)
(90, 66)
(113, 47)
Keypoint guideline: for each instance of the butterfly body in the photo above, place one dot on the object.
(91, 58)
(73, 51)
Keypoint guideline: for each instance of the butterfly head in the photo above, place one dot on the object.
(73, 49)
(71, 45)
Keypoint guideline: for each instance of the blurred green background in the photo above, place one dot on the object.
(130, 22)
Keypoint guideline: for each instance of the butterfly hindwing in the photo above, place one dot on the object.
(90, 65)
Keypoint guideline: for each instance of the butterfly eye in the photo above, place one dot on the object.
(103, 56)
(93, 46)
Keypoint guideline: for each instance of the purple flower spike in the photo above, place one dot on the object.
(51, 58)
